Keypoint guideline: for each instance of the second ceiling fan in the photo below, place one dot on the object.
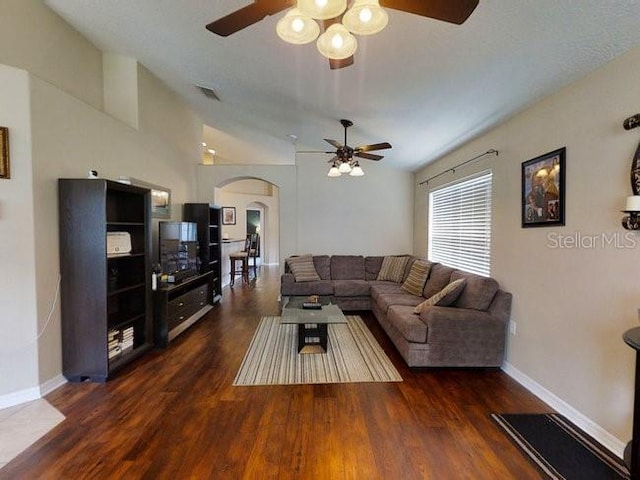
(336, 42)
(343, 160)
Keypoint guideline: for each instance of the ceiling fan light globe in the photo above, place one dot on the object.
(344, 167)
(365, 17)
(297, 28)
(337, 43)
(357, 171)
(334, 172)
(322, 9)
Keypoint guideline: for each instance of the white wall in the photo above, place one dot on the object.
(370, 215)
(18, 313)
(572, 304)
(56, 131)
(34, 38)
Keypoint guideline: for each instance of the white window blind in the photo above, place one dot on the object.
(460, 224)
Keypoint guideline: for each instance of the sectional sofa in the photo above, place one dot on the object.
(435, 315)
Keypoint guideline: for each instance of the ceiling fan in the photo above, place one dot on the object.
(343, 160)
(452, 11)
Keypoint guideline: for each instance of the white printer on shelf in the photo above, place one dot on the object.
(118, 243)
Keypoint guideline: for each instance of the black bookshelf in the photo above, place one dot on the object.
(209, 220)
(105, 299)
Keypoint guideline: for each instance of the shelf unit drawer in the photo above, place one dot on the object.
(176, 305)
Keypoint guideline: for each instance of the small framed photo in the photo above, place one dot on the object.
(543, 194)
(228, 215)
(4, 153)
(160, 202)
(160, 196)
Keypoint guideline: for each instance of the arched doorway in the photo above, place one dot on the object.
(248, 195)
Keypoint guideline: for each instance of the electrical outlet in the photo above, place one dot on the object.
(513, 327)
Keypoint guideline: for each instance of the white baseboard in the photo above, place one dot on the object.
(609, 441)
(22, 396)
(51, 384)
(33, 393)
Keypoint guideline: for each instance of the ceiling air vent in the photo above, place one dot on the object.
(209, 93)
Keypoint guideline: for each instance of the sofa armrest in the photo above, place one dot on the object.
(500, 307)
(462, 325)
(287, 278)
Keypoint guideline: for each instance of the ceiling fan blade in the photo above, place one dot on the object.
(247, 16)
(453, 11)
(313, 151)
(375, 146)
(368, 156)
(337, 64)
(335, 143)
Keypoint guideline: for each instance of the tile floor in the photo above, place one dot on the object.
(22, 425)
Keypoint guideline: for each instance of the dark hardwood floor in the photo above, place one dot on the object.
(174, 414)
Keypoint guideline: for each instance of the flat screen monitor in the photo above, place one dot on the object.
(179, 247)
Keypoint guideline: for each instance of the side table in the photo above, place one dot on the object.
(632, 450)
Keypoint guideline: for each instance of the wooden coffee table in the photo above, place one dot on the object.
(312, 324)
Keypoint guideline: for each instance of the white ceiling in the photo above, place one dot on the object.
(423, 85)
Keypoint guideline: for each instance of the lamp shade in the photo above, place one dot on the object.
(357, 171)
(337, 43)
(297, 28)
(322, 9)
(365, 17)
(334, 172)
(344, 167)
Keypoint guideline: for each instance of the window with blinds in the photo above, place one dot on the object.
(460, 224)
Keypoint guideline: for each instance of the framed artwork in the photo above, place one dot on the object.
(543, 190)
(228, 215)
(4, 153)
(160, 197)
(160, 202)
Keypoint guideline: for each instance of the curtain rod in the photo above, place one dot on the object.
(453, 169)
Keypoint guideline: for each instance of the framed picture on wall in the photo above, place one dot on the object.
(4, 153)
(543, 180)
(160, 196)
(228, 215)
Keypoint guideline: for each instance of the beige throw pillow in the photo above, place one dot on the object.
(393, 268)
(444, 297)
(303, 269)
(417, 278)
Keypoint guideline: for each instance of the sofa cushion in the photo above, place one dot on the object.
(385, 300)
(321, 287)
(303, 269)
(414, 284)
(378, 288)
(393, 268)
(323, 266)
(409, 325)
(445, 297)
(439, 277)
(478, 293)
(347, 267)
(350, 288)
(372, 266)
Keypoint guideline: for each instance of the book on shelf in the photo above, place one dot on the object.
(114, 352)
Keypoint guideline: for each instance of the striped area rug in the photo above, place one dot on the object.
(560, 449)
(353, 355)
